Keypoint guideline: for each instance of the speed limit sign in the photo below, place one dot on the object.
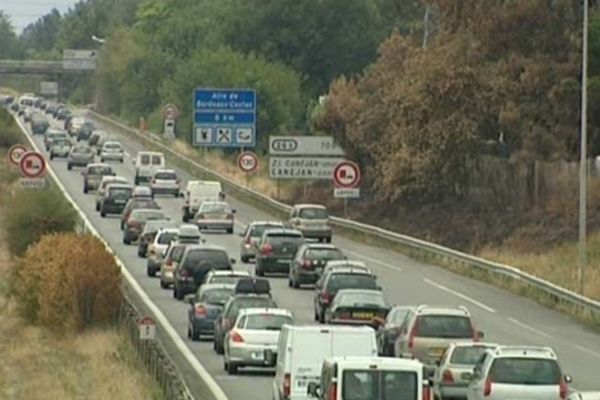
(248, 162)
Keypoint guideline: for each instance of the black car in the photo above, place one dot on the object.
(205, 307)
(86, 131)
(356, 307)
(134, 204)
(197, 260)
(62, 113)
(338, 279)
(115, 198)
(249, 293)
(276, 250)
(307, 266)
(50, 109)
(390, 328)
(15, 107)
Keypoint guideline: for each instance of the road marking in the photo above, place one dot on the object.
(529, 328)
(373, 260)
(462, 296)
(587, 351)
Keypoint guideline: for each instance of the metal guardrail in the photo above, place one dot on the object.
(554, 292)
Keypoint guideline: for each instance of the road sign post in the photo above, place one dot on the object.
(346, 178)
(15, 153)
(32, 166)
(170, 114)
(147, 328)
(224, 117)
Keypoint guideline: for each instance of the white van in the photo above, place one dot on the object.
(146, 164)
(27, 100)
(373, 378)
(197, 192)
(302, 349)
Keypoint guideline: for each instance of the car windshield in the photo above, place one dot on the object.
(384, 385)
(99, 170)
(147, 215)
(313, 213)
(323, 254)
(361, 300)
(525, 371)
(352, 281)
(228, 279)
(167, 176)
(464, 355)
(62, 142)
(216, 259)
(258, 230)
(216, 296)
(444, 326)
(270, 322)
(167, 237)
(120, 193)
(214, 208)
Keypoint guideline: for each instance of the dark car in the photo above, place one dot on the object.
(338, 279)
(67, 122)
(249, 293)
(135, 204)
(50, 108)
(15, 107)
(276, 250)
(357, 307)
(39, 124)
(86, 131)
(92, 175)
(62, 113)
(205, 307)
(197, 260)
(114, 199)
(390, 328)
(136, 221)
(311, 258)
(149, 233)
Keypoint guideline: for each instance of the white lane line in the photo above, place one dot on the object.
(462, 296)
(373, 260)
(587, 351)
(529, 328)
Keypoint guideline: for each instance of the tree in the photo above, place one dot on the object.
(9, 47)
(41, 36)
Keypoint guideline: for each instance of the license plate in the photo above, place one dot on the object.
(283, 261)
(436, 352)
(119, 201)
(362, 315)
(258, 355)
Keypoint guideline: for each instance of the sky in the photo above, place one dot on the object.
(24, 12)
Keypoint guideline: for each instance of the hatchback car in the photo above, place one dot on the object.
(215, 215)
(307, 266)
(134, 204)
(165, 181)
(75, 125)
(254, 331)
(60, 148)
(114, 198)
(312, 220)
(53, 134)
(455, 369)
(104, 182)
(112, 151)
(277, 248)
(205, 306)
(85, 131)
(170, 262)
(39, 124)
(252, 235)
(518, 372)
(136, 221)
(427, 331)
(149, 233)
(80, 156)
(159, 246)
(356, 307)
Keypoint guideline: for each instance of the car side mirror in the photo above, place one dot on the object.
(232, 261)
(270, 358)
(233, 211)
(568, 379)
(313, 389)
(190, 299)
(481, 334)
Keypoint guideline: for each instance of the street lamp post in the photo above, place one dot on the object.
(583, 155)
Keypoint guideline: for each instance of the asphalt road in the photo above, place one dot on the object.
(504, 317)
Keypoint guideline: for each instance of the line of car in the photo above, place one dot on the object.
(363, 348)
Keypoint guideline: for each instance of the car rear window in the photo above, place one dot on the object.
(99, 170)
(362, 300)
(525, 371)
(145, 159)
(146, 215)
(120, 193)
(467, 355)
(258, 230)
(216, 296)
(214, 208)
(323, 254)
(167, 237)
(444, 326)
(112, 146)
(352, 281)
(166, 176)
(384, 385)
(226, 279)
(156, 160)
(268, 322)
(217, 258)
(313, 213)
(82, 149)
(283, 238)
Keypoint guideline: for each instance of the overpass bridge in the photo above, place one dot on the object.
(35, 67)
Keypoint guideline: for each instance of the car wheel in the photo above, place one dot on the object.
(189, 333)
(176, 194)
(174, 291)
(295, 283)
(184, 218)
(230, 231)
(136, 180)
(220, 349)
(322, 318)
(51, 156)
(102, 214)
(85, 189)
(163, 285)
(102, 160)
(69, 167)
(258, 271)
(316, 316)
(232, 369)
(141, 254)
(179, 295)
(289, 281)
(97, 207)
(328, 240)
(126, 240)
(195, 335)
(121, 161)
(151, 273)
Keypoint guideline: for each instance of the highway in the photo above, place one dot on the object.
(504, 317)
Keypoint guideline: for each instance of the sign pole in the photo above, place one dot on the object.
(346, 207)
(278, 194)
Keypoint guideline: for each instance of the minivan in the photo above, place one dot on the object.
(146, 164)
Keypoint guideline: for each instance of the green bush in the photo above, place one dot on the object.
(10, 133)
(32, 213)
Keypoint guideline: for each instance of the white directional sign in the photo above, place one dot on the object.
(79, 59)
(147, 328)
(49, 88)
(343, 193)
(302, 167)
(346, 175)
(304, 145)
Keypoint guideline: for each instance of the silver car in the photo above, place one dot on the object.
(112, 151)
(255, 330)
(60, 148)
(454, 372)
(215, 215)
(165, 181)
(312, 220)
(53, 134)
(80, 156)
(252, 235)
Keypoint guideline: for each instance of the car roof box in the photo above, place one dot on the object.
(253, 285)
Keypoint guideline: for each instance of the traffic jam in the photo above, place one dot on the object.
(359, 346)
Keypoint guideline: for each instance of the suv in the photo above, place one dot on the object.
(114, 198)
(248, 293)
(311, 258)
(93, 174)
(146, 163)
(427, 331)
(276, 250)
(96, 136)
(312, 220)
(252, 235)
(148, 234)
(338, 279)
(518, 372)
(196, 261)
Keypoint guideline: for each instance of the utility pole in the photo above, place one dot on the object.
(583, 155)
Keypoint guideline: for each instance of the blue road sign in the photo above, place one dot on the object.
(224, 117)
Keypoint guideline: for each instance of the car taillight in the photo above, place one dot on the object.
(306, 264)
(487, 388)
(426, 392)
(200, 216)
(287, 385)
(563, 389)
(200, 311)
(332, 393)
(248, 241)
(447, 377)
(266, 249)
(236, 337)
(325, 297)
(413, 333)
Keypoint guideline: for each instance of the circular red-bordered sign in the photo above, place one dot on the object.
(32, 165)
(346, 175)
(15, 153)
(248, 161)
(170, 111)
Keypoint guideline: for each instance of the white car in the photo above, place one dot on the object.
(165, 181)
(112, 150)
(254, 331)
(518, 372)
(584, 396)
(158, 248)
(60, 148)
